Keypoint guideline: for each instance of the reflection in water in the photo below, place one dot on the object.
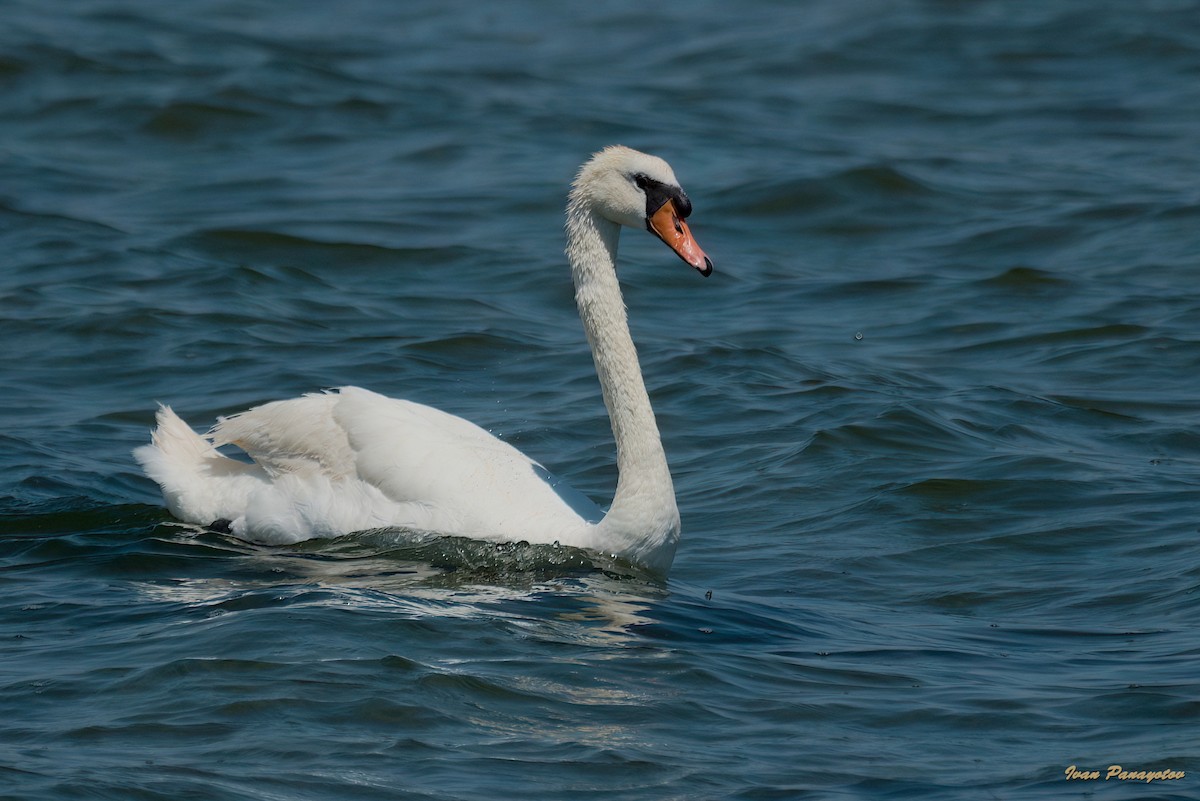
(588, 607)
(578, 596)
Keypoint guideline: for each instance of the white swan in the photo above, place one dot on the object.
(349, 460)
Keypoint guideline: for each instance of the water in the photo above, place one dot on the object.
(932, 421)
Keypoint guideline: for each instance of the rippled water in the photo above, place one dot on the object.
(932, 421)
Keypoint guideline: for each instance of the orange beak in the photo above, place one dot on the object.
(668, 226)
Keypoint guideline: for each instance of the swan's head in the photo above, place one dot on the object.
(641, 191)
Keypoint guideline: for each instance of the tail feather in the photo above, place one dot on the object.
(199, 484)
(176, 437)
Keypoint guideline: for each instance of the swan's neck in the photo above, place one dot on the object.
(643, 517)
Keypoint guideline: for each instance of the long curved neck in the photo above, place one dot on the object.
(643, 516)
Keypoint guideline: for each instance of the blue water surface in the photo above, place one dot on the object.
(932, 421)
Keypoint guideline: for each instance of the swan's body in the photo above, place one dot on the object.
(349, 460)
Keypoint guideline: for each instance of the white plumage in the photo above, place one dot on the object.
(350, 460)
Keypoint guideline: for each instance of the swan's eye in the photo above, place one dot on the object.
(657, 193)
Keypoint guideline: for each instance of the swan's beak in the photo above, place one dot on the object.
(668, 226)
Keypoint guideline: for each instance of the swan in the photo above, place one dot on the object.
(348, 459)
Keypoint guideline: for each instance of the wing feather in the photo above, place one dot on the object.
(413, 452)
(297, 436)
(467, 481)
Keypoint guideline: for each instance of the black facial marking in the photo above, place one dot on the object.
(658, 193)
